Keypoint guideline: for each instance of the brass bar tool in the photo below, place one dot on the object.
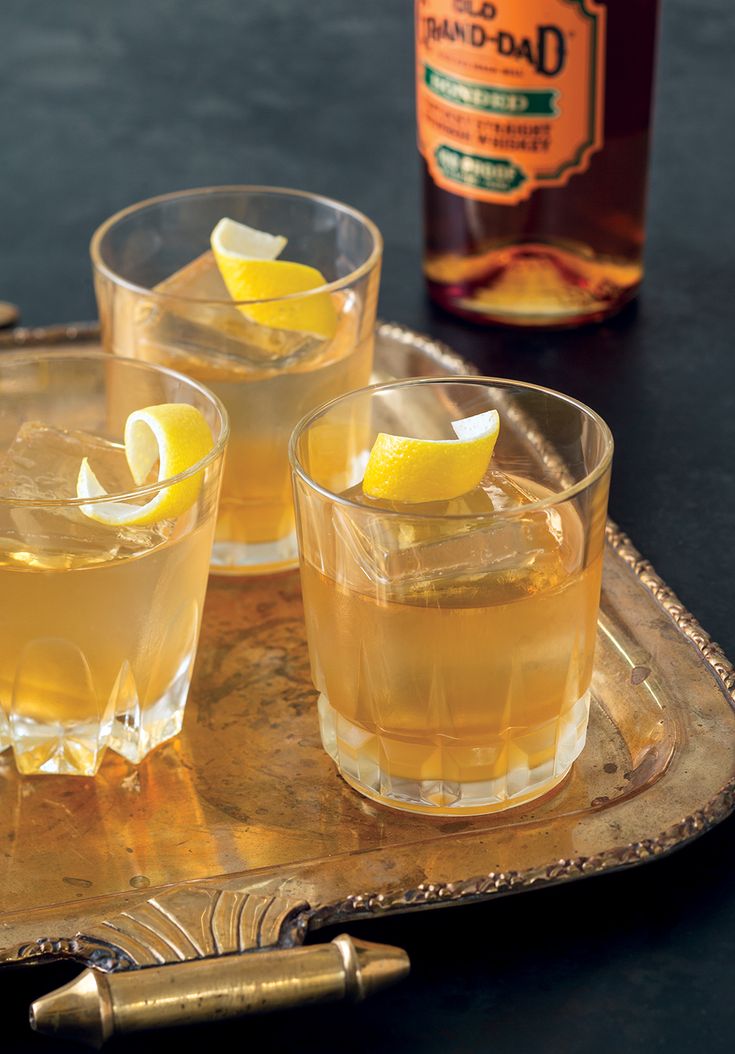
(94, 1006)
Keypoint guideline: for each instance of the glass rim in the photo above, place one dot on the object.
(150, 489)
(328, 287)
(552, 500)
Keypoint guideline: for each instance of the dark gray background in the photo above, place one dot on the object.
(105, 103)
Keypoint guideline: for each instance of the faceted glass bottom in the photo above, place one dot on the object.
(531, 764)
(69, 747)
(255, 558)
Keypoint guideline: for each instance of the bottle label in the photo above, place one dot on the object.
(509, 95)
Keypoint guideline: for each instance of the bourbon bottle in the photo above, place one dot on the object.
(533, 125)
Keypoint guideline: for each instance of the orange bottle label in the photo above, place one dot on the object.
(509, 94)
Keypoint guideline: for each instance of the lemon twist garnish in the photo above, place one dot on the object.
(175, 435)
(420, 470)
(247, 262)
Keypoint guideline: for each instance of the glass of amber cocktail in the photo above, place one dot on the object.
(452, 640)
(270, 359)
(99, 617)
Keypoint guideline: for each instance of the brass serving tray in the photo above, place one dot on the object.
(240, 833)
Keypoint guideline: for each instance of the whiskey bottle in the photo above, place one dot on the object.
(533, 126)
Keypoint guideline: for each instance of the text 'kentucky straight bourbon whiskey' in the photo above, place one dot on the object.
(533, 124)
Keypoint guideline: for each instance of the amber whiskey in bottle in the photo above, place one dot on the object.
(533, 125)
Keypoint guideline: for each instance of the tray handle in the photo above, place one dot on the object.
(94, 1006)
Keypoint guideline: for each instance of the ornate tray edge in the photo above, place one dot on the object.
(481, 887)
(28, 336)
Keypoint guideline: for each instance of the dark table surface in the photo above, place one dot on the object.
(104, 104)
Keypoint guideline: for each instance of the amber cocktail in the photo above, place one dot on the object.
(98, 623)
(452, 641)
(162, 298)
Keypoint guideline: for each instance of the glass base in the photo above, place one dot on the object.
(536, 284)
(76, 748)
(535, 763)
(242, 558)
(63, 748)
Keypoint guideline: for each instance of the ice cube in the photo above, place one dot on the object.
(42, 464)
(447, 560)
(212, 340)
